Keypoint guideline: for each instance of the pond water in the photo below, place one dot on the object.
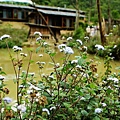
(6, 64)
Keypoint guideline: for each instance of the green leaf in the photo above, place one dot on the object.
(59, 69)
(109, 91)
(37, 50)
(96, 118)
(84, 112)
(87, 96)
(67, 105)
(31, 61)
(62, 115)
(81, 61)
(52, 54)
(93, 85)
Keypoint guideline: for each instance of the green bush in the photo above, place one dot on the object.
(72, 91)
(79, 33)
(18, 36)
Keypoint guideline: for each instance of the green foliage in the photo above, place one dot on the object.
(72, 91)
(18, 36)
(79, 33)
(89, 6)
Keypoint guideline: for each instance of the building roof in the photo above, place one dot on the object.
(20, 1)
(47, 9)
(61, 13)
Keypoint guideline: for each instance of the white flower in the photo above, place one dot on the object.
(61, 46)
(1, 68)
(86, 37)
(37, 33)
(7, 100)
(2, 110)
(29, 91)
(2, 77)
(51, 76)
(16, 48)
(103, 104)
(69, 38)
(115, 80)
(74, 75)
(40, 55)
(53, 108)
(96, 75)
(114, 26)
(98, 110)
(33, 87)
(21, 86)
(45, 43)
(78, 66)
(39, 38)
(22, 108)
(68, 50)
(115, 46)
(23, 54)
(14, 108)
(46, 110)
(106, 35)
(74, 61)
(42, 63)
(57, 64)
(32, 74)
(4, 36)
(85, 48)
(110, 33)
(99, 47)
(38, 94)
(82, 98)
(79, 41)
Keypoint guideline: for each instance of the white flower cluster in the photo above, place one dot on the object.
(79, 41)
(16, 48)
(2, 77)
(7, 100)
(98, 110)
(40, 35)
(22, 108)
(69, 38)
(65, 49)
(115, 80)
(4, 36)
(23, 54)
(99, 47)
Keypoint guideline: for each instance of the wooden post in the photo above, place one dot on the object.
(103, 39)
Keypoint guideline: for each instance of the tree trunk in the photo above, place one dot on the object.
(77, 16)
(103, 39)
(109, 17)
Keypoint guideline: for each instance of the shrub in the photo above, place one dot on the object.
(72, 91)
(18, 36)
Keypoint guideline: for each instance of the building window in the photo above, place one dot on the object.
(15, 13)
(38, 20)
(19, 15)
(4, 13)
(67, 22)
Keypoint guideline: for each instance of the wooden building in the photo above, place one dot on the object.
(48, 20)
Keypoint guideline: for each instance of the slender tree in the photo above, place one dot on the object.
(103, 39)
(77, 16)
(109, 17)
